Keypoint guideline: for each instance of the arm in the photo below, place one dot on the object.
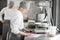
(1, 13)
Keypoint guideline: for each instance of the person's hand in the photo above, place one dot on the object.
(2, 21)
(25, 34)
(29, 34)
(27, 30)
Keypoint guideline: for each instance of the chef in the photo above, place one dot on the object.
(7, 11)
(17, 24)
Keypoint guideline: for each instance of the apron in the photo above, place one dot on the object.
(12, 36)
(6, 27)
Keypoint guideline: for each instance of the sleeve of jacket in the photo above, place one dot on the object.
(1, 12)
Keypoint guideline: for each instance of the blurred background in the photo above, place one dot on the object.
(51, 7)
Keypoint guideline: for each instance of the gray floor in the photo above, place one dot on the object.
(0, 37)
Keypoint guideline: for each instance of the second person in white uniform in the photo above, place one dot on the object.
(17, 23)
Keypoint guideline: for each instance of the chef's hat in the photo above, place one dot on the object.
(23, 4)
(11, 2)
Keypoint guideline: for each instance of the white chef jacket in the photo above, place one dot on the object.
(7, 12)
(17, 22)
(15, 17)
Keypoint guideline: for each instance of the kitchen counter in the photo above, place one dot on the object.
(42, 36)
(37, 37)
